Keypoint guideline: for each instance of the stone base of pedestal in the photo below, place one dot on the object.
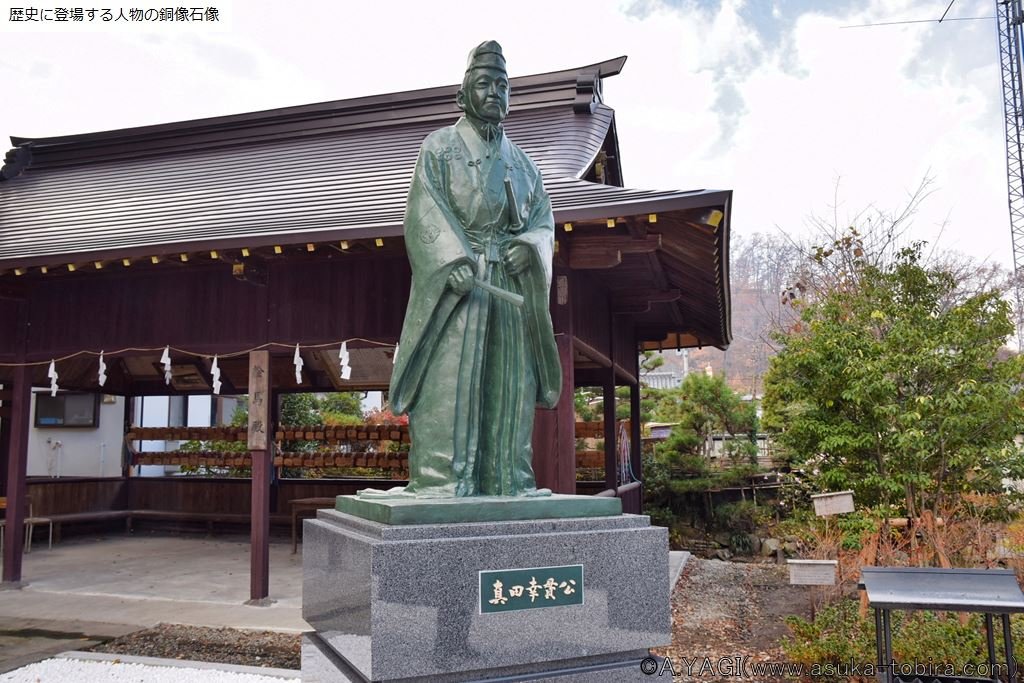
(321, 664)
(418, 603)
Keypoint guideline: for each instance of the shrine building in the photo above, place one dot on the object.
(259, 239)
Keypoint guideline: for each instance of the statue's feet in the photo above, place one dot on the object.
(403, 493)
(536, 493)
(378, 494)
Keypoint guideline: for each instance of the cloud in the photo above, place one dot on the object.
(773, 100)
(801, 104)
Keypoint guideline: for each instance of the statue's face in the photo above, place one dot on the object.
(484, 95)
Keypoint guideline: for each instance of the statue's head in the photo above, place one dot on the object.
(484, 93)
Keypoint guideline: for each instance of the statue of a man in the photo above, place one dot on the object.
(477, 353)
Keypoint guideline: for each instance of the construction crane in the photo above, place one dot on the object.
(1009, 19)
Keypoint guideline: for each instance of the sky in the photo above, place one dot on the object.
(772, 99)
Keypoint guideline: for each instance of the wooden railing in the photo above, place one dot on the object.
(631, 495)
(348, 446)
(357, 446)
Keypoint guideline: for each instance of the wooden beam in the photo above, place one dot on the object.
(227, 386)
(327, 362)
(259, 448)
(594, 259)
(644, 244)
(591, 353)
(17, 461)
(17, 292)
(639, 229)
(640, 302)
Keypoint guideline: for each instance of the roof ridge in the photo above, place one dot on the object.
(434, 98)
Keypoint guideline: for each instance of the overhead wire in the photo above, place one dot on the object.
(915, 21)
(920, 21)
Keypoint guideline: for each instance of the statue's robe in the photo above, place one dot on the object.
(470, 370)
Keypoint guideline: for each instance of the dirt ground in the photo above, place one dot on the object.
(729, 610)
(222, 645)
(719, 610)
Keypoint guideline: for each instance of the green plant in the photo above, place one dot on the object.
(894, 384)
(853, 526)
(743, 517)
(740, 543)
(838, 636)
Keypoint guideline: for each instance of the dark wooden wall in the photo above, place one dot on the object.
(324, 301)
(203, 308)
(590, 311)
(179, 494)
(63, 496)
(624, 344)
(190, 495)
(9, 332)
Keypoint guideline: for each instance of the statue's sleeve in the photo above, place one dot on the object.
(435, 243)
(539, 235)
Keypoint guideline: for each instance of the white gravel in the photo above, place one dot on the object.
(66, 670)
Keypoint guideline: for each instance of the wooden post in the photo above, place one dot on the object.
(5, 435)
(17, 461)
(126, 426)
(610, 452)
(259, 449)
(611, 477)
(635, 433)
(554, 431)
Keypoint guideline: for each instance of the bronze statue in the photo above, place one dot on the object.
(477, 353)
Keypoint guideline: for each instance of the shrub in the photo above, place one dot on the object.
(838, 635)
(742, 517)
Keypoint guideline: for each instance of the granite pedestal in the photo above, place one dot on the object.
(403, 602)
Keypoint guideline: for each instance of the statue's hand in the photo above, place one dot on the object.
(461, 279)
(517, 259)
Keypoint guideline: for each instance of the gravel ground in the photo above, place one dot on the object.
(222, 645)
(729, 610)
(66, 670)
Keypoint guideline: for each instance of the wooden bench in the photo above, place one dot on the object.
(93, 516)
(210, 518)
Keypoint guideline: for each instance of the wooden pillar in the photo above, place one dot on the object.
(17, 461)
(635, 424)
(610, 454)
(635, 435)
(611, 478)
(554, 431)
(259, 449)
(126, 426)
(275, 473)
(5, 435)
